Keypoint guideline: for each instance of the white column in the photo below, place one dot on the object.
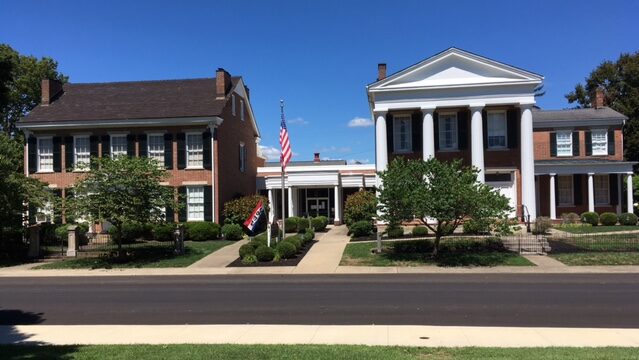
(428, 133)
(630, 206)
(271, 203)
(591, 192)
(527, 161)
(212, 128)
(553, 202)
(381, 147)
(619, 196)
(338, 205)
(477, 140)
(291, 201)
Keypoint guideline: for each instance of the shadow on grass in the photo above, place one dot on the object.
(453, 259)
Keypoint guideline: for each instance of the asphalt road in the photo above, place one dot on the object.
(472, 300)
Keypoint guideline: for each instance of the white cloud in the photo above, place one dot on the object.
(297, 121)
(335, 149)
(360, 122)
(358, 161)
(270, 153)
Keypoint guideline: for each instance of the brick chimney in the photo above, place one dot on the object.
(50, 90)
(316, 158)
(599, 100)
(222, 83)
(381, 72)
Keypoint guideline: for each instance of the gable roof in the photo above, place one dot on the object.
(577, 117)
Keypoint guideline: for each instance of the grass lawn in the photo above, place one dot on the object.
(144, 257)
(13, 262)
(595, 229)
(301, 352)
(598, 258)
(360, 254)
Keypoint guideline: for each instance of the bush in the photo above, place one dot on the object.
(591, 218)
(62, 232)
(232, 232)
(303, 224)
(319, 223)
(411, 246)
(477, 226)
(257, 242)
(246, 250)
(542, 224)
(570, 218)
(286, 249)
(309, 235)
(296, 241)
(132, 231)
(264, 253)
(608, 219)
(360, 206)
(628, 219)
(395, 232)
(202, 231)
(249, 259)
(163, 232)
(448, 229)
(238, 210)
(360, 228)
(291, 224)
(420, 231)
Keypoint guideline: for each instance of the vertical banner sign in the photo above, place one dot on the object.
(254, 219)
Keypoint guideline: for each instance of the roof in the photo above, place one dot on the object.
(306, 163)
(132, 100)
(576, 117)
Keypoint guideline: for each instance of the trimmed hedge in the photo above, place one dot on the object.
(628, 219)
(608, 219)
(202, 231)
(291, 224)
(303, 224)
(570, 218)
(232, 232)
(286, 249)
(163, 232)
(308, 236)
(360, 228)
(420, 231)
(246, 249)
(296, 241)
(264, 253)
(591, 218)
(319, 223)
(395, 232)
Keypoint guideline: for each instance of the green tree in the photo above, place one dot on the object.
(123, 190)
(238, 210)
(445, 192)
(20, 82)
(620, 81)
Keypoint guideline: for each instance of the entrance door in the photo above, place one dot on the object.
(317, 206)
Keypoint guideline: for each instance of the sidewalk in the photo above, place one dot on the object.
(386, 335)
(221, 257)
(325, 256)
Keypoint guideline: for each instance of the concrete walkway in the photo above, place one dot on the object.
(221, 257)
(394, 335)
(545, 262)
(325, 256)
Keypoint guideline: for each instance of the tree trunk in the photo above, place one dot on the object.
(119, 240)
(436, 244)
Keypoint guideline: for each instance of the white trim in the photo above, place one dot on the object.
(186, 149)
(194, 182)
(100, 124)
(188, 212)
(38, 138)
(569, 132)
(592, 142)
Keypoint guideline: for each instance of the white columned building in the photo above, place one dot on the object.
(428, 132)
(527, 161)
(477, 141)
(553, 201)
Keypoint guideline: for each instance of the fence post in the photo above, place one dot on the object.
(34, 241)
(72, 241)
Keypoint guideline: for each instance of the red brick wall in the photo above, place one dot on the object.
(542, 145)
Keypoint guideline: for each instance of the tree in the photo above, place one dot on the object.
(20, 82)
(238, 210)
(123, 190)
(442, 191)
(620, 82)
(361, 205)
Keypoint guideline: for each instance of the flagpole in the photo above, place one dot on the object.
(283, 187)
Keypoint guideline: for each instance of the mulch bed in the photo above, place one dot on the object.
(284, 262)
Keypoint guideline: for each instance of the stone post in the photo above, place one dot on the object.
(73, 241)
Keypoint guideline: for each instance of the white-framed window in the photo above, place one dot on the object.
(118, 145)
(155, 144)
(194, 150)
(45, 154)
(233, 104)
(45, 213)
(402, 134)
(242, 109)
(497, 130)
(599, 142)
(448, 131)
(195, 203)
(81, 152)
(564, 143)
(602, 189)
(565, 190)
(242, 157)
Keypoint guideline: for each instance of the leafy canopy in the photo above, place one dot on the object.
(359, 206)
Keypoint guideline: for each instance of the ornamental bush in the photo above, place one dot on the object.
(591, 218)
(360, 228)
(308, 236)
(542, 225)
(360, 206)
(628, 219)
(246, 249)
(296, 241)
(249, 259)
(476, 226)
(420, 231)
(232, 232)
(131, 231)
(608, 219)
(291, 224)
(202, 231)
(395, 232)
(319, 223)
(570, 218)
(163, 232)
(286, 249)
(303, 224)
(264, 253)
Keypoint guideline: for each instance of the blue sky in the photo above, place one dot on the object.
(316, 55)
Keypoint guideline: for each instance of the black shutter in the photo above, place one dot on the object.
(181, 150)
(416, 128)
(206, 149)
(553, 144)
(68, 153)
(436, 129)
(33, 154)
(578, 196)
(588, 143)
(182, 202)
(462, 130)
(168, 151)
(614, 189)
(142, 145)
(93, 146)
(556, 190)
(389, 133)
(57, 210)
(208, 203)
(575, 143)
(130, 145)
(512, 122)
(106, 146)
(484, 127)
(57, 154)
(611, 142)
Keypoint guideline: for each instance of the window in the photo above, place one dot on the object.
(599, 142)
(118, 145)
(242, 157)
(497, 126)
(156, 148)
(233, 104)
(565, 190)
(564, 143)
(195, 203)
(81, 152)
(241, 109)
(602, 189)
(45, 213)
(45, 154)
(194, 151)
(448, 131)
(402, 134)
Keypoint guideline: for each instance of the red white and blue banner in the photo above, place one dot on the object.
(254, 219)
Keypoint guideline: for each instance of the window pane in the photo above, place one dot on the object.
(602, 189)
(564, 143)
(564, 190)
(82, 151)
(194, 150)
(402, 135)
(45, 154)
(496, 129)
(118, 145)
(448, 131)
(195, 203)
(599, 142)
(156, 148)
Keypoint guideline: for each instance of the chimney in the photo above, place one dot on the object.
(599, 100)
(50, 91)
(316, 158)
(222, 83)
(381, 72)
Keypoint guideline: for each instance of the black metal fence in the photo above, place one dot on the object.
(102, 245)
(566, 242)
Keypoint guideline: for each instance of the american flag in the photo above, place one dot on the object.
(285, 157)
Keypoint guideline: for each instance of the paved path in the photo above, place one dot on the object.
(221, 257)
(546, 262)
(425, 336)
(324, 257)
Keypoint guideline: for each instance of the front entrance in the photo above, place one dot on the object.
(317, 206)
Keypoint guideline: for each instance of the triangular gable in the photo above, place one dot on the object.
(241, 90)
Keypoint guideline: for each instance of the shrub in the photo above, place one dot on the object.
(309, 235)
(570, 218)
(395, 232)
(420, 231)
(448, 229)
(360, 206)
(319, 223)
(249, 259)
(246, 250)
(62, 232)
(303, 224)
(628, 219)
(542, 224)
(264, 253)
(291, 224)
(412, 246)
(360, 228)
(477, 226)
(296, 241)
(238, 210)
(202, 231)
(286, 249)
(608, 219)
(591, 218)
(232, 232)
(259, 241)
(131, 231)
(163, 232)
